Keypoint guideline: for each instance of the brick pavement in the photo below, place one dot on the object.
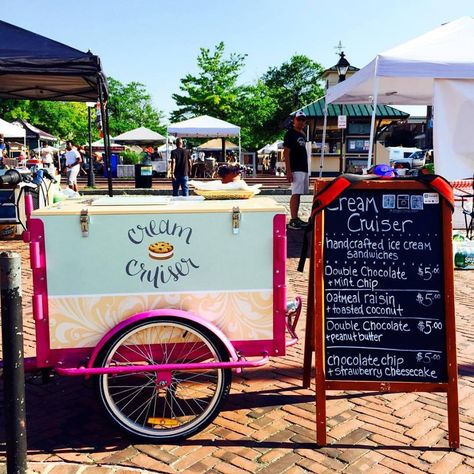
(268, 423)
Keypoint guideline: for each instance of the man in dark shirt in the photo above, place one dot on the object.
(296, 158)
(180, 166)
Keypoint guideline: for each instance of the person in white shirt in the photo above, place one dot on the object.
(73, 165)
(46, 155)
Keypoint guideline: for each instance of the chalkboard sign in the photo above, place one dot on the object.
(381, 292)
(383, 287)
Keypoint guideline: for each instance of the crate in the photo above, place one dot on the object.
(125, 171)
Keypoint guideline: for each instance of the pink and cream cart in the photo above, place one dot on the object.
(158, 300)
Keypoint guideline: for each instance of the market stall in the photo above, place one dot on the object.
(140, 136)
(436, 69)
(205, 127)
(9, 130)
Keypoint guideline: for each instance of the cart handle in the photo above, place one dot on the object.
(128, 369)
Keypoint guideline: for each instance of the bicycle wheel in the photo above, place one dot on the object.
(165, 406)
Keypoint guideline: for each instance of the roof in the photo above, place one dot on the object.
(140, 134)
(316, 109)
(204, 126)
(34, 132)
(35, 67)
(11, 131)
(275, 146)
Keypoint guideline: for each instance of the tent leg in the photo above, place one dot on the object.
(240, 151)
(167, 154)
(372, 123)
(105, 128)
(323, 142)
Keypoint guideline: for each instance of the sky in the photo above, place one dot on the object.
(157, 42)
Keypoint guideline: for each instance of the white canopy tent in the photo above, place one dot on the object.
(436, 68)
(205, 126)
(267, 149)
(12, 131)
(139, 135)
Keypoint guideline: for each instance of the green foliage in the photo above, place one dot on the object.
(65, 120)
(293, 85)
(260, 109)
(130, 157)
(214, 91)
(130, 107)
(256, 109)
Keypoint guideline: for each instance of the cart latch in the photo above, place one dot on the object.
(84, 223)
(235, 220)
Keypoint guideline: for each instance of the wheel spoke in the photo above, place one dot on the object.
(187, 404)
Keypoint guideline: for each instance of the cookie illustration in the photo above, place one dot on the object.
(160, 250)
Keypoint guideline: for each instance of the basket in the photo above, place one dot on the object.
(225, 193)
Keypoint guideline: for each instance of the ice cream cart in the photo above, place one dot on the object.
(158, 300)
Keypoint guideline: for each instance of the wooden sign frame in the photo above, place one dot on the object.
(316, 319)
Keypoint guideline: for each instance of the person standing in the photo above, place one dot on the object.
(296, 158)
(46, 155)
(273, 162)
(73, 165)
(155, 156)
(180, 167)
(3, 146)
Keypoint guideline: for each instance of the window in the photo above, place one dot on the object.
(357, 145)
(357, 128)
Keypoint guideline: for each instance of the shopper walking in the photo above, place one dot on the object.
(73, 165)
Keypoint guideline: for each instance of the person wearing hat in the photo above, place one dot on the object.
(296, 158)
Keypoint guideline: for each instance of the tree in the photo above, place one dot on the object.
(256, 109)
(293, 85)
(130, 107)
(214, 91)
(66, 120)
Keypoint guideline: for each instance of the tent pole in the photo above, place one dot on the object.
(323, 142)
(372, 123)
(167, 151)
(240, 151)
(223, 149)
(105, 129)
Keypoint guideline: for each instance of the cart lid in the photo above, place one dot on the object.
(151, 205)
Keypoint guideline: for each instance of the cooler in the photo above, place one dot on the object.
(106, 259)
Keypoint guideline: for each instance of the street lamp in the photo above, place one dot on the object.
(342, 67)
(90, 171)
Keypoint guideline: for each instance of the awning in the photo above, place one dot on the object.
(140, 135)
(35, 67)
(204, 126)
